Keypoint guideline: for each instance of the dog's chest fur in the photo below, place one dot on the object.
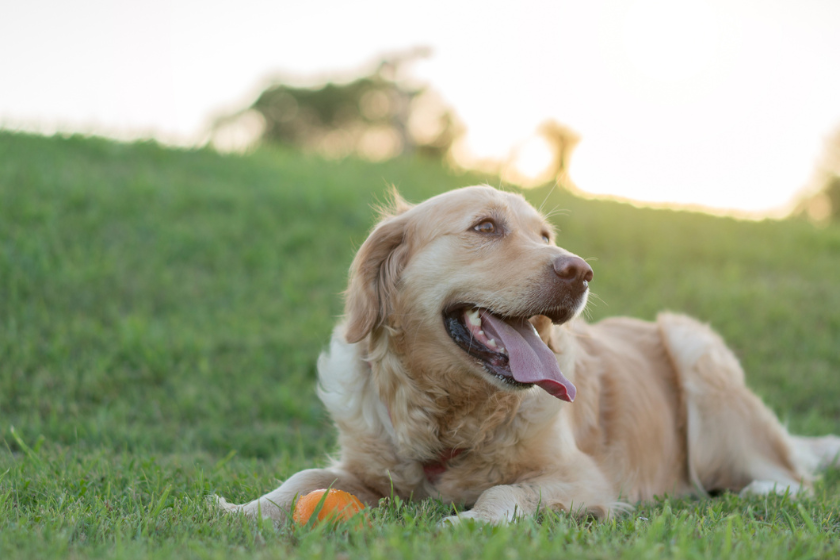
(392, 423)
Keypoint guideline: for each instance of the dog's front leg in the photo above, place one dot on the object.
(503, 504)
(277, 504)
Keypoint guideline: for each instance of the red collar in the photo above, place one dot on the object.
(433, 469)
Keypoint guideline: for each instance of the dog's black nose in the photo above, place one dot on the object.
(573, 269)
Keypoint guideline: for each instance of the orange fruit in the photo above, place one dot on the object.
(337, 505)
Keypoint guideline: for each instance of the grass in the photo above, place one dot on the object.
(161, 312)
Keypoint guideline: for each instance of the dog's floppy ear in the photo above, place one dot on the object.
(376, 270)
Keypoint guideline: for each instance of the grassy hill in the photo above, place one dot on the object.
(161, 312)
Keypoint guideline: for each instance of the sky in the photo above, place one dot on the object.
(724, 104)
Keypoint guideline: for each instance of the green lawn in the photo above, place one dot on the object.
(161, 312)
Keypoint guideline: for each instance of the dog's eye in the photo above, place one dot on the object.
(546, 238)
(487, 226)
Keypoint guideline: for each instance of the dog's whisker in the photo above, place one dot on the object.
(551, 190)
(558, 212)
(596, 296)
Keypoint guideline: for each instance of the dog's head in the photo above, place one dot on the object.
(462, 279)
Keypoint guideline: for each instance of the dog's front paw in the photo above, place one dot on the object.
(455, 520)
(256, 509)
(765, 487)
(222, 504)
(493, 518)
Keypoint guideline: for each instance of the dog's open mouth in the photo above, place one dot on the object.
(509, 348)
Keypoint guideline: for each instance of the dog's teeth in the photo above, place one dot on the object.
(475, 320)
(491, 343)
(481, 333)
(503, 351)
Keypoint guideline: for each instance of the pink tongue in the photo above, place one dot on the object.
(531, 361)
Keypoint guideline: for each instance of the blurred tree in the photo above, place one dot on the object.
(542, 158)
(824, 204)
(563, 141)
(831, 192)
(376, 117)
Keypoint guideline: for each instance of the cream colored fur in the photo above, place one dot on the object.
(661, 408)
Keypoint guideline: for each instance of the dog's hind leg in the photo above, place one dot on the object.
(734, 441)
(277, 504)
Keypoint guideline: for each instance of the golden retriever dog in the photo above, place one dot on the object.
(461, 371)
